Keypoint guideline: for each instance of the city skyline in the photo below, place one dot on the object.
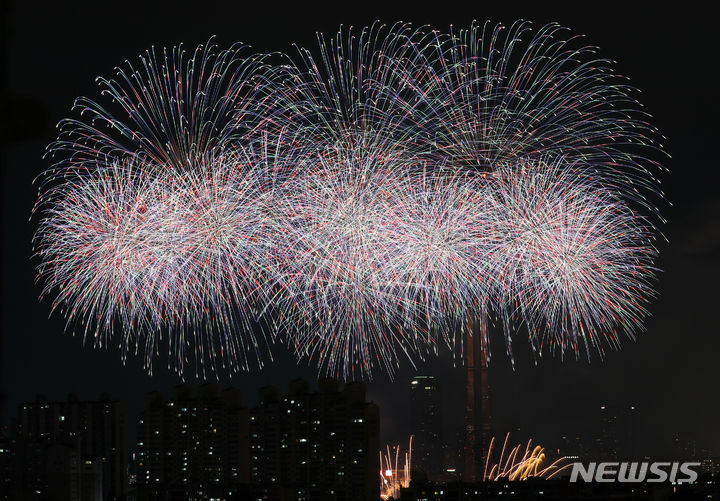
(208, 439)
(669, 373)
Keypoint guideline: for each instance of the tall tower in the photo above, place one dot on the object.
(426, 425)
(477, 401)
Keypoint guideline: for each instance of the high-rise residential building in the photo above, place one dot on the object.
(315, 445)
(573, 446)
(194, 445)
(631, 435)
(426, 426)
(607, 441)
(7, 465)
(65, 449)
(618, 434)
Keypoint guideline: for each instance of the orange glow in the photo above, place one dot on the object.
(521, 465)
(394, 477)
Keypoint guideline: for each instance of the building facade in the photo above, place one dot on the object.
(315, 445)
(72, 450)
(192, 446)
(426, 426)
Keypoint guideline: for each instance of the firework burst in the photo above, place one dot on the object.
(169, 107)
(360, 202)
(573, 262)
(492, 94)
(176, 254)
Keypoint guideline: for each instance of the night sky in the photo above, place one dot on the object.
(671, 372)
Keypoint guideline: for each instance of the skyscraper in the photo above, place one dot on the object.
(426, 426)
(78, 446)
(312, 445)
(478, 428)
(619, 433)
(7, 466)
(607, 440)
(192, 444)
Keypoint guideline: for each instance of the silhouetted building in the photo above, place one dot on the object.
(62, 462)
(72, 450)
(315, 445)
(617, 435)
(558, 489)
(631, 433)
(607, 439)
(426, 426)
(573, 446)
(192, 446)
(478, 426)
(7, 466)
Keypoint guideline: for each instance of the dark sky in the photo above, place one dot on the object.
(671, 372)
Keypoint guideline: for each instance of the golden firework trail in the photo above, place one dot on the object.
(521, 463)
(394, 475)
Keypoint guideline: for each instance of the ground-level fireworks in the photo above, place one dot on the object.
(521, 462)
(395, 470)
